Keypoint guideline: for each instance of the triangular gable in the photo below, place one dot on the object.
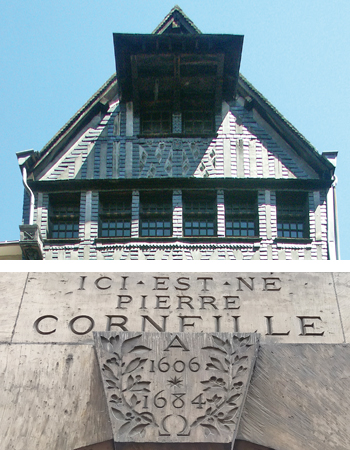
(176, 22)
(77, 159)
(243, 148)
(286, 149)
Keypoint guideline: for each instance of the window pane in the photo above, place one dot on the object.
(156, 214)
(292, 214)
(64, 217)
(155, 122)
(115, 215)
(241, 213)
(198, 122)
(199, 214)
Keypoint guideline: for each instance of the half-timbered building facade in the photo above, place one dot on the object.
(178, 156)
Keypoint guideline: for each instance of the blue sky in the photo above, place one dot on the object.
(55, 55)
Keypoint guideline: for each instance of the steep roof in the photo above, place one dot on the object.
(98, 102)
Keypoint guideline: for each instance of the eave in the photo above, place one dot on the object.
(162, 184)
(131, 49)
(98, 103)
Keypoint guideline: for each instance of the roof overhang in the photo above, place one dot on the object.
(192, 64)
(98, 103)
(278, 184)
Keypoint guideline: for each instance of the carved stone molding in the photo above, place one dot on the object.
(175, 387)
(31, 242)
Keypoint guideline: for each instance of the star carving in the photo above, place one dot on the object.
(175, 381)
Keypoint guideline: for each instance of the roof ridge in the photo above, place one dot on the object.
(176, 8)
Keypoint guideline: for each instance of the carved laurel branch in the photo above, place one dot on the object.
(231, 361)
(224, 392)
(126, 378)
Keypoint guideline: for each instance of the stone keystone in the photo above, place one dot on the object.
(175, 387)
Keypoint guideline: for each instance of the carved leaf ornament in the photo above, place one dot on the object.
(175, 387)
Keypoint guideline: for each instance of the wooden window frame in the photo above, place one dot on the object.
(156, 215)
(241, 214)
(64, 216)
(292, 215)
(199, 215)
(115, 215)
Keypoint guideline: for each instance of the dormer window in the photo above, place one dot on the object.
(156, 122)
(198, 122)
(191, 122)
(177, 94)
(177, 82)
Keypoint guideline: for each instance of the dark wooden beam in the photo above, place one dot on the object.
(219, 81)
(177, 84)
(179, 183)
(134, 75)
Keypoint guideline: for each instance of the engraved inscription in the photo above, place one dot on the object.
(183, 303)
(175, 387)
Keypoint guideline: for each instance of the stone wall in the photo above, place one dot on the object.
(52, 391)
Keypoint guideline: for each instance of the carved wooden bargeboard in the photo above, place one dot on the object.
(175, 387)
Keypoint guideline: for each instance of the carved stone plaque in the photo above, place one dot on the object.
(175, 387)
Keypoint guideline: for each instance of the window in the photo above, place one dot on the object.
(241, 214)
(189, 122)
(156, 122)
(199, 215)
(198, 122)
(292, 215)
(64, 216)
(155, 215)
(115, 215)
